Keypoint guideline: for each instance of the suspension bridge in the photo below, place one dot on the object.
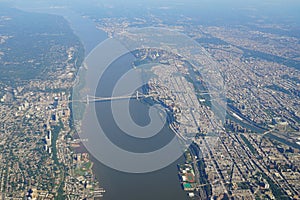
(92, 99)
(137, 96)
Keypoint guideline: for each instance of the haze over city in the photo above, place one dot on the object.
(195, 99)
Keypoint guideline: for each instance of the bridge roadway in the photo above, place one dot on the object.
(91, 99)
(97, 99)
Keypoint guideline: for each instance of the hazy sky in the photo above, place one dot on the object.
(218, 3)
(277, 9)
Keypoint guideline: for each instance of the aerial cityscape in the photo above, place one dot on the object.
(231, 96)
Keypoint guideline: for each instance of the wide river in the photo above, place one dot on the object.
(161, 184)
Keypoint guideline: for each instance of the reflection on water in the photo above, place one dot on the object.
(162, 184)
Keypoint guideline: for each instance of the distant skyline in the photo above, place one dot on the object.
(271, 4)
(279, 9)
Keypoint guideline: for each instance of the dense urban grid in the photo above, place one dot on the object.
(254, 155)
(257, 155)
(37, 142)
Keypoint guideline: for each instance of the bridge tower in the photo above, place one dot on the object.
(137, 95)
(87, 99)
